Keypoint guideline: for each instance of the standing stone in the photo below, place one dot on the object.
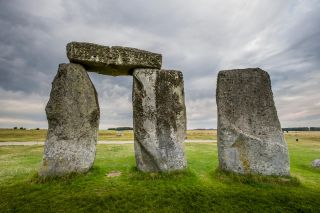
(159, 120)
(111, 60)
(250, 139)
(73, 116)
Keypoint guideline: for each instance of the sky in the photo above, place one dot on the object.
(199, 37)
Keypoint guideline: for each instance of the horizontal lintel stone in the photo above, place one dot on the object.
(113, 60)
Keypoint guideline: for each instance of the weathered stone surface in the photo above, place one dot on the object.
(159, 119)
(316, 163)
(250, 139)
(73, 117)
(111, 60)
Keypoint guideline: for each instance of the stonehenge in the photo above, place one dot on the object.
(250, 139)
(73, 110)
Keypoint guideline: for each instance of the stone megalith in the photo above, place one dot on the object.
(111, 60)
(159, 120)
(250, 139)
(73, 116)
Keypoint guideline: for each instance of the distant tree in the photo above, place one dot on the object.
(15, 127)
(21, 128)
(314, 128)
(124, 128)
(37, 128)
(121, 128)
(296, 129)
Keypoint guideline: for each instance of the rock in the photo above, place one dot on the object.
(159, 120)
(316, 163)
(111, 60)
(250, 139)
(73, 116)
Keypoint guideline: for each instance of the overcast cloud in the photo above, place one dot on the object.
(197, 37)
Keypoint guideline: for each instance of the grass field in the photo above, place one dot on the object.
(17, 135)
(201, 188)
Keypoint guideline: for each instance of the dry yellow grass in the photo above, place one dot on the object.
(202, 134)
(18, 135)
(22, 135)
(11, 135)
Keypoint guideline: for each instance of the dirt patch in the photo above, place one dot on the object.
(114, 174)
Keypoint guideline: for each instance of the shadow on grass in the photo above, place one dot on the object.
(307, 167)
(181, 191)
(94, 171)
(135, 174)
(132, 174)
(254, 179)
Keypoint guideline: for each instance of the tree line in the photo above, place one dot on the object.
(121, 128)
(301, 129)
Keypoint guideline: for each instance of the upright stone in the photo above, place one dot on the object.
(250, 139)
(111, 60)
(73, 117)
(159, 120)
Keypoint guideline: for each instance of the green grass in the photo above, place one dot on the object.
(17, 135)
(201, 188)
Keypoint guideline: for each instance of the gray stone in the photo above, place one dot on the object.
(250, 139)
(316, 163)
(159, 120)
(73, 116)
(111, 60)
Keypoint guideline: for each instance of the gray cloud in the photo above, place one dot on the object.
(198, 37)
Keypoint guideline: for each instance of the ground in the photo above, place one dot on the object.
(201, 188)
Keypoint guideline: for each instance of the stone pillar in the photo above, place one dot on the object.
(73, 116)
(250, 139)
(159, 120)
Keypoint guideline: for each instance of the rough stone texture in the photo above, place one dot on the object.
(316, 163)
(73, 116)
(111, 60)
(250, 139)
(159, 120)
